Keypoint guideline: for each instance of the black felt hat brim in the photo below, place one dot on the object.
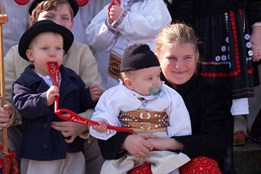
(41, 27)
(73, 3)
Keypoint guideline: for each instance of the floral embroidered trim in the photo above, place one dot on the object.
(110, 28)
(120, 19)
(224, 59)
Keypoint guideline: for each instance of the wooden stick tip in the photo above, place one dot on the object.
(3, 18)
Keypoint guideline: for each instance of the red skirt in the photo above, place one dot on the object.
(200, 165)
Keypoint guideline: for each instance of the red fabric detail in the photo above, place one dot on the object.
(9, 163)
(1, 163)
(200, 165)
(21, 2)
(82, 2)
(144, 168)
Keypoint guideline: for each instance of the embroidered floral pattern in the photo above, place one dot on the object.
(224, 57)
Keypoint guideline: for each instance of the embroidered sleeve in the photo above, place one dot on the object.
(113, 27)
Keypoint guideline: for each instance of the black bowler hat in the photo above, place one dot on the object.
(138, 56)
(73, 4)
(41, 27)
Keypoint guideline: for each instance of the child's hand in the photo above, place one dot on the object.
(114, 11)
(137, 145)
(51, 93)
(102, 127)
(95, 92)
(69, 130)
(256, 43)
(5, 114)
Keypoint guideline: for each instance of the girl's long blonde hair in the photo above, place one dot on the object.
(176, 33)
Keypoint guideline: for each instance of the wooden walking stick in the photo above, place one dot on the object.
(9, 162)
(5, 156)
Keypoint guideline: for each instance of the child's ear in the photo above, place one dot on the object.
(72, 24)
(29, 55)
(197, 56)
(127, 83)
